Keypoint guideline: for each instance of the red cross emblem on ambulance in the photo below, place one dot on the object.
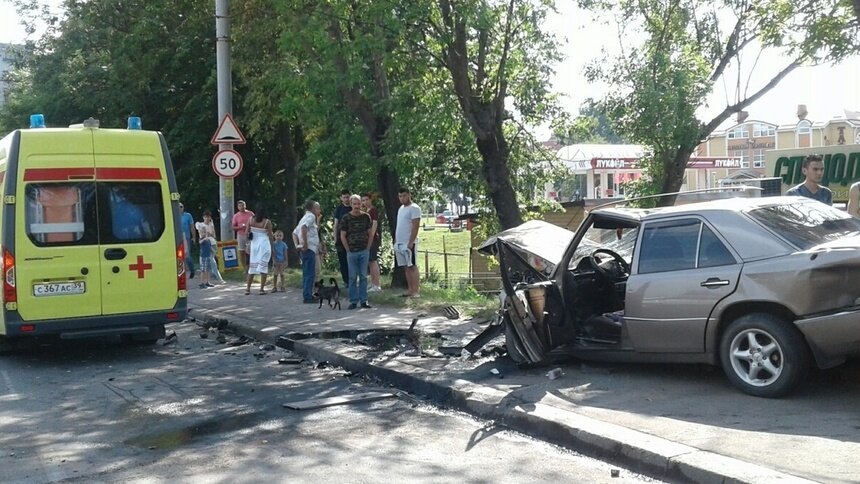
(140, 267)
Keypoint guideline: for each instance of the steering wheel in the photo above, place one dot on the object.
(595, 262)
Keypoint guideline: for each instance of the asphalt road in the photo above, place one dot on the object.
(199, 411)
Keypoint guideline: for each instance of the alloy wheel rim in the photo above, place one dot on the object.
(757, 358)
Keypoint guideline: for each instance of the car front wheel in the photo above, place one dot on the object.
(763, 355)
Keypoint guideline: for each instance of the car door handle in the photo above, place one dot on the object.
(115, 254)
(714, 282)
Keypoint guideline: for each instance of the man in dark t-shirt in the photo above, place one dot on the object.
(339, 212)
(813, 170)
(356, 235)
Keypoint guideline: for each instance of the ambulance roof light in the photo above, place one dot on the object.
(134, 122)
(37, 121)
(91, 123)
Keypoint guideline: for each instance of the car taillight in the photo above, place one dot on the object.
(9, 293)
(180, 268)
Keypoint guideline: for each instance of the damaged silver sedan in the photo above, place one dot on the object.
(763, 287)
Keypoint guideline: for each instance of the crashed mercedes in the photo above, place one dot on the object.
(764, 287)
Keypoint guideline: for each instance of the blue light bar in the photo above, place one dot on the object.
(37, 120)
(134, 122)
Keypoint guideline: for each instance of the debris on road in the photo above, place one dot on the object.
(221, 339)
(290, 361)
(451, 312)
(496, 372)
(170, 338)
(450, 350)
(554, 374)
(341, 400)
(267, 347)
(241, 340)
(204, 335)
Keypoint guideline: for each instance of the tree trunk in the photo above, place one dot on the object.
(494, 153)
(288, 138)
(675, 175)
(388, 184)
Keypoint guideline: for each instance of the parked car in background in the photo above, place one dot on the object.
(446, 217)
(764, 287)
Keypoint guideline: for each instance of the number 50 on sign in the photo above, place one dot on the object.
(227, 163)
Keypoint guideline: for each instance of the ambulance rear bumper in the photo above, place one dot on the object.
(116, 324)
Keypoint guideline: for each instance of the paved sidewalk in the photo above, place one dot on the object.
(677, 422)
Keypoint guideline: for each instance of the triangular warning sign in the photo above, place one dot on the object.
(228, 133)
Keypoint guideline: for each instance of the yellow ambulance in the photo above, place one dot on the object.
(89, 233)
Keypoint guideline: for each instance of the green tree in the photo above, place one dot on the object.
(496, 54)
(690, 46)
(109, 60)
(590, 126)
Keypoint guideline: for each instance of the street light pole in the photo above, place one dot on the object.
(225, 107)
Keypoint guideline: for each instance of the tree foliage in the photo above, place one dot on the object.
(330, 94)
(109, 60)
(659, 86)
(590, 126)
(499, 61)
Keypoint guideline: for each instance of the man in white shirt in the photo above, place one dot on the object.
(406, 239)
(307, 239)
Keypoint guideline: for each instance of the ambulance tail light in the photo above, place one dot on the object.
(181, 281)
(10, 294)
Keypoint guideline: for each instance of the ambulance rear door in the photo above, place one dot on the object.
(136, 223)
(56, 229)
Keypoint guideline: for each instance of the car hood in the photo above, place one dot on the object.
(535, 238)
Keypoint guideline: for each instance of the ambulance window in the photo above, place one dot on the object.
(130, 212)
(59, 214)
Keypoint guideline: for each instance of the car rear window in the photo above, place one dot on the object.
(807, 224)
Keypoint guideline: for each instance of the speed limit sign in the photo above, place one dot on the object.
(227, 163)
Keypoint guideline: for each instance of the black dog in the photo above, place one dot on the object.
(328, 293)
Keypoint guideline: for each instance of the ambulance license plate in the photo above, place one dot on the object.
(59, 288)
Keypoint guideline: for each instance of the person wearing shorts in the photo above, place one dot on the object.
(406, 240)
(373, 266)
(279, 256)
(240, 221)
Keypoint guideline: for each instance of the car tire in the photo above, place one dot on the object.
(763, 355)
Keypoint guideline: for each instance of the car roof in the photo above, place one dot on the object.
(736, 204)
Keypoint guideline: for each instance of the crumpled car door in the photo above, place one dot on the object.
(527, 313)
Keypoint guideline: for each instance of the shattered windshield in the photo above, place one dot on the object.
(807, 224)
(619, 240)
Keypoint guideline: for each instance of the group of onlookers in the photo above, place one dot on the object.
(357, 243)
(356, 237)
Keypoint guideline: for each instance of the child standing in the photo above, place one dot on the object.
(279, 252)
(205, 261)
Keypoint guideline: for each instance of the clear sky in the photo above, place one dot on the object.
(826, 90)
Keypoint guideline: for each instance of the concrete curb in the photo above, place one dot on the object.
(637, 450)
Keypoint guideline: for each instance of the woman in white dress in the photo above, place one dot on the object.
(259, 232)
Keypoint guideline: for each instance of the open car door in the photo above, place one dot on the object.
(527, 255)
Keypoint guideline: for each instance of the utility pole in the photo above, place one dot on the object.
(225, 107)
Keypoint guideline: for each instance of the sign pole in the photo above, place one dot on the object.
(225, 107)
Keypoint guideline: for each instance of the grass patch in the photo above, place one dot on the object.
(440, 246)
